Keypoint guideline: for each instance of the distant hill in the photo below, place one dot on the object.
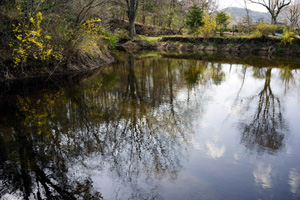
(239, 13)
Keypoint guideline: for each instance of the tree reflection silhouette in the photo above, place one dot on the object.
(36, 164)
(266, 130)
(129, 125)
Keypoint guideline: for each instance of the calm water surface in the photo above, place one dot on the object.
(162, 127)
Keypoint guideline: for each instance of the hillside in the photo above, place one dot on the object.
(239, 13)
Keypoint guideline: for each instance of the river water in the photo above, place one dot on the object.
(155, 126)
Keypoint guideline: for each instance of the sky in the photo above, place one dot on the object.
(240, 3)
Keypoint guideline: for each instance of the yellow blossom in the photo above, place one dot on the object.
(19, 37)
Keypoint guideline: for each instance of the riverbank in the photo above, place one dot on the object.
(174, 44)
(35, 69)
(257, 46)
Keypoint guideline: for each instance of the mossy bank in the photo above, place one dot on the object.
(260, 46)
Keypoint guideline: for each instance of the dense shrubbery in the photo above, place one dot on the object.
(280, 29)
(209, 26)
(287, 36)
(264, 30)
(123, 34)
(52, 32)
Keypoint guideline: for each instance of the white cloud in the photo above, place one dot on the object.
(262, 175)
(236, 156)
(294, 180)
(214, 151)
(288, 150)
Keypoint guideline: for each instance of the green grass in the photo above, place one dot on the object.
(149, 54)
(149, 40)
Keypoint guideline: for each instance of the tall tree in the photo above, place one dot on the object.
(209, 5)
(132, 8)
(273, 6)
(292, 13)
(194, 18)
(248, 19)
(222, 20)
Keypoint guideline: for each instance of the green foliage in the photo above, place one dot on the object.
(111, 38)
(280, 29)
(149, 40)
(123, 34)
(288, 36)
(263, 30)
(192, 74)
(256, 34)
(222, 21)
(194, 18)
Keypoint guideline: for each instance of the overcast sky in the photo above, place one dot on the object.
(240, 3)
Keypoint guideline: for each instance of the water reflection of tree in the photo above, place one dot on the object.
(266, 130)
(32, 166)
(203, 72)
(287, 76)
(131, 126)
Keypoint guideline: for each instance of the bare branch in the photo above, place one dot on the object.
(273, 6)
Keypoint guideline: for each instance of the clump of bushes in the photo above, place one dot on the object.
(46, 38)
(288, 36)
(209, 26)
(280, 29)
(263, 30)
(123, 34)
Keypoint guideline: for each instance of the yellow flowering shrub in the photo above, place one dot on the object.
(287, 36)
(263, 30)
(90, 37)
(90, 30)
(31, 41)
(209, 25)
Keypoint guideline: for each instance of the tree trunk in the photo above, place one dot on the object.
(144, 16)
(132, 30)
(132, 8)
(273, 20)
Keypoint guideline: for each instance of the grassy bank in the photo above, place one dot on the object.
(263, 46)
(269, 45)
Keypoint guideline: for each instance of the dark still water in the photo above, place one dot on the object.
(163, 127)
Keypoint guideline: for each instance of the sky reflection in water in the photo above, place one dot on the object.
(156, 128)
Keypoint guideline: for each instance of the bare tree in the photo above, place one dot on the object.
(132, 8)
(85, 8)
(292, 13)
(273, 6)
(209, 5)
(248, 19)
